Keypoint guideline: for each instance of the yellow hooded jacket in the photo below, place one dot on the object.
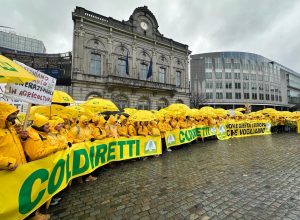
(57, 138)
(131, 129)
(80, 132)
(111, 128)
(98, 131)
(11, 150)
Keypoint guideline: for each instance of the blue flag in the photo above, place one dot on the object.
(127, 65)
(149, 74)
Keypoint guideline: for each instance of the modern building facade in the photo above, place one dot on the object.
(11, 40)
(129, 62)
(233, 79)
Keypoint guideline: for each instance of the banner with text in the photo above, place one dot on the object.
(243, 129)
(39, 91)
(181, 136)
(34, 183)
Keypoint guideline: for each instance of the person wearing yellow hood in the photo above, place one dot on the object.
(153, 129)
(57, 136)
(182, 123)
(111, 127)
(142, 128)
(98, 128)
(81, 132)
(11, 150)
(174, 123)
(132, 128)
(122, 126)
(39, 144)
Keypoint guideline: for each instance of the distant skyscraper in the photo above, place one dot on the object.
(11, 40)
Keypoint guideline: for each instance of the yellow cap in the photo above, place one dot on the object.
(40, 120)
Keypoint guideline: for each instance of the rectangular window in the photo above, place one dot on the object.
(218, 85)
(218, 75)
(237, 64)
(238, 95)
(253, 77)
(95, 64)
(246, 86)
(280, 98)
(267, 88)
(246, 76)
(261, 96)
(218, 63)
(143, 71)
(260, 87)
(237, 85)
(237, 75)
(260, 78)
(276, 97)
(162, 75)
(227, 75)
(254, 96)
(246, 95)
(228, 95)
(122, 67)
(208, 75)
(253, 86)
(208, 63)
(272, 97)
(209, 95)
(219, 95)
(178, 78)
(227, 63)
(208, 85)
(267, 97)
(228, 85)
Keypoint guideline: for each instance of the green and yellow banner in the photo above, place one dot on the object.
(243, 129)
(183, 136)
(31, 185)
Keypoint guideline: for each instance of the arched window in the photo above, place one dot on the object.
(122, 67)
(122, 102)
(143, 71)
(162, 75)
(143, 104)
(178, 78)
(95, 64)
(162, 103)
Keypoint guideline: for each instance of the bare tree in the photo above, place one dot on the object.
(197, 99)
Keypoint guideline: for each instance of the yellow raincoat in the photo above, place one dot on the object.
(39, 144)
(131, 129)
(122, 127)
(111, 128)
(99, 132)
(80, 132)
(153, 129)
(11, 150)
(143, 130)
(58, 138)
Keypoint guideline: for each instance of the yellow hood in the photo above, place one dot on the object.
(5, 110)
(40, 120)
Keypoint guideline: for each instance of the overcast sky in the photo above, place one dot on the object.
(270, 28)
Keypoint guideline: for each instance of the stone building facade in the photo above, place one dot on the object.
(129, 62)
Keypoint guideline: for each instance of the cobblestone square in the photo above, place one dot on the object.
(246, 178)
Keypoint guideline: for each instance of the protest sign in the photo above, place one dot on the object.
(39, 91)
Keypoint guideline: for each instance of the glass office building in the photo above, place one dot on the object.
(233, 79)
(11, 40)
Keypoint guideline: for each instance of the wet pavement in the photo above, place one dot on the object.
(246, 178)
